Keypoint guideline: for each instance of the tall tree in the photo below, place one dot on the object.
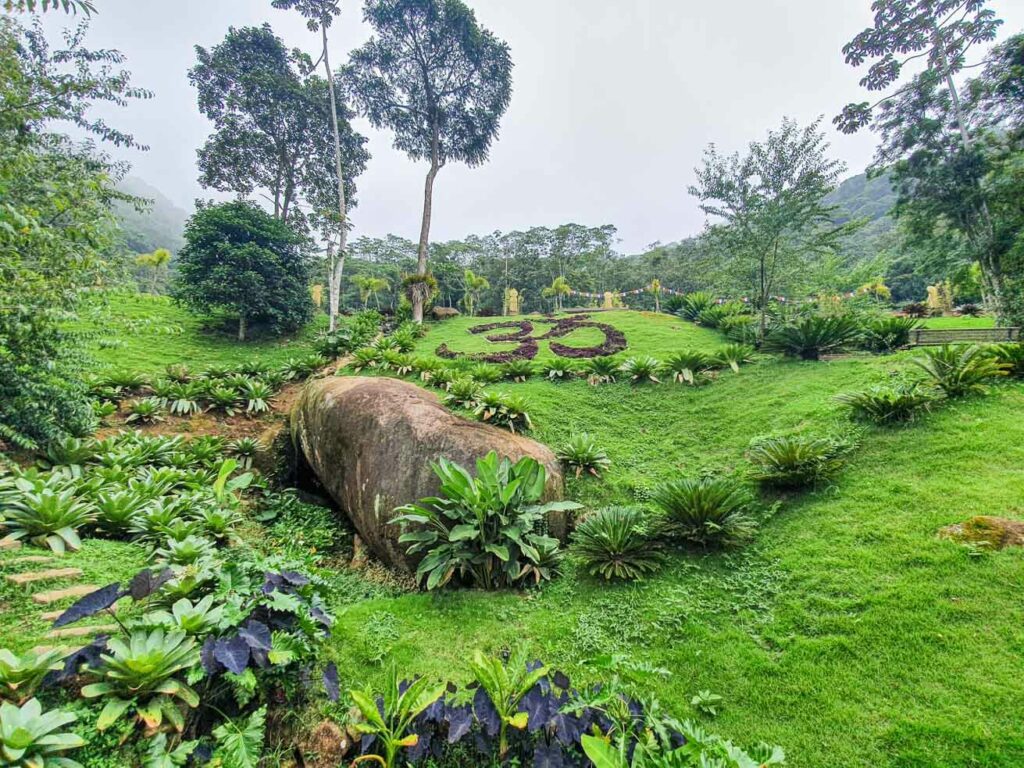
(929, 132)
(768, 205)
(474, 285)
(319, 14)
(441, 82)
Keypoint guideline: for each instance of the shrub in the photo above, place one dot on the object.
(810, 337)
(794, 461)
(463, 393)
(303, 367)
(29, 737)
(891, 404)
(641, 369)
(582, 454)
(503, 410)
(426, 367)
(686, 367)
(142, 673)
(707, 511)
(602, 370)
(695, 303)
(613, 544)
(888, 334)
(404, 338)
(715, 315)
(916, 309)
(178, 372)
(960, 371)
(200, 618)
(485, 529)
(970, 310)
(734, 355)
(125, 379)
(1011, 358)
(47, 515)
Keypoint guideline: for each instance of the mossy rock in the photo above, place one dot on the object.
(986, 531)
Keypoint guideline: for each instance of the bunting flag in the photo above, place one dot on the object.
(674, 292)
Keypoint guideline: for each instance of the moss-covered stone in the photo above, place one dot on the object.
(983, 530)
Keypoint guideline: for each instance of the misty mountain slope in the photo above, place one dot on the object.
(159, 226)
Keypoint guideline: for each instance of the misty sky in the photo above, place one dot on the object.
(613, 104)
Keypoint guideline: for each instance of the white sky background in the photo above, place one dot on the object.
(613, 104)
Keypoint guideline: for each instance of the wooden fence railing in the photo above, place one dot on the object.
(933, 336)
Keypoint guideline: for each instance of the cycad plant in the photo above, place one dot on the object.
(959, 370)
(602, 370)
(581, 453)
(686, 367)
(794, 461)
(613, 544)
(141, 674)
(734, 355)
(30, 738)
(558, 369)
(695, 303)
(517, 370)
(887, 334)
(1011, 357)
(812, 336)
(641, 369)
(898, 403)
(706, 511)
(47, 515)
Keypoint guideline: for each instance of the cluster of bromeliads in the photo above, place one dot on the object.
(217, 635)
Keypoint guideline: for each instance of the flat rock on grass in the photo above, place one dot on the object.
(45, 598)
(994, 532)
(54, 573)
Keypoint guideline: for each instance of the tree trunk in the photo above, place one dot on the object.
(338, 268)
(419, 290)
(241, 327)
(333, 288)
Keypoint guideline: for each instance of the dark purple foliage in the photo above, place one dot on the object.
(256, 634)
(91, 604)
(233, 653)
(145, 583)
(89, 654)
(331, 681)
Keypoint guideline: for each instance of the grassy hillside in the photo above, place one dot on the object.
(847, 632)
(146, 333)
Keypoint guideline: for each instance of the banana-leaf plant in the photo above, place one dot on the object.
(485, 529)
(390, 723)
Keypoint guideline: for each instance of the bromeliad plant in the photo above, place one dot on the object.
(582, 454)
(485, 529)
(614, 544)
(149, 410)
(140, 674)
(503, 410)
(47, 514)
(463, 393)
(20, 675)
(30, 738)
(959, 371)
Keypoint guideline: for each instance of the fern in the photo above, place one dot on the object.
(240, 743)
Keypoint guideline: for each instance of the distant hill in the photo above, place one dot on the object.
(160, 226)
(859, 197)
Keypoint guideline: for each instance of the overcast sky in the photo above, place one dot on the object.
(613, 104)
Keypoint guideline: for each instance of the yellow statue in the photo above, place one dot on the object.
(511, 303)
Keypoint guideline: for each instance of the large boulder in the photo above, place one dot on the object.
(371, 442)
(445, 313)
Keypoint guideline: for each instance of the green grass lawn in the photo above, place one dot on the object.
(959, 322)
(847, 632)
(146, 333)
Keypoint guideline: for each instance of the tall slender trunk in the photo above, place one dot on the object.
(419, 290)
(338, 267)
(241, 327)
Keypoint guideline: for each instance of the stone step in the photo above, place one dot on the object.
(53, 573)
(9, 545)
(97, 629)
(53, 596)
(51, 615)
(31, 559)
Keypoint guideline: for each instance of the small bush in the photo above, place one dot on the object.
(706, 511)
(888, 334)
(582, 454)
(146, 411)
(695, 303)
(795, 461)
(1011, 358)
(916, 309)
(810, 337)
(960, 371)
(613, 544)
(891, 404)
(641, 369)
